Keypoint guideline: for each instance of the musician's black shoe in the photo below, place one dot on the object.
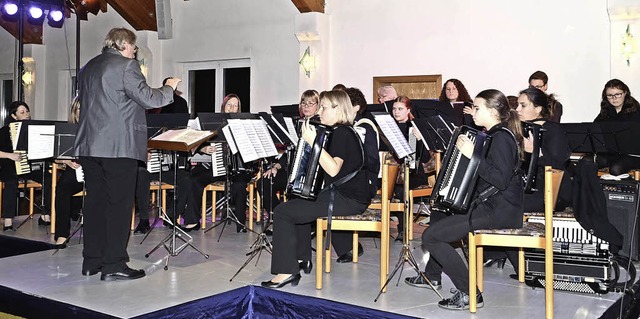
(188, 229)
(499, 262)
(419, 282)
(399, 238)
(268, 232)
(306, 266)
(143, 227)
(7, 228)
(459, 301)
(125, 274)
(513, 276)
(43, 222)
(241, 229)
(348, 257)
(293, 279)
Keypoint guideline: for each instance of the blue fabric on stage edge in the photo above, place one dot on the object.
(257, 302)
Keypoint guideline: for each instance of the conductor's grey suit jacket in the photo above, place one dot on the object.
(113, 97)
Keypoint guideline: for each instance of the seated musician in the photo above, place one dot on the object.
(291, 236)
(618, 105)
(275, 177)
(503, 209)
(67, 186)
(402, 115)
(535, 106)
(18, 111)
(201, 176)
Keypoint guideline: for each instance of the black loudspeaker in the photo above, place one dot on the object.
(622, 209)
(163, 19)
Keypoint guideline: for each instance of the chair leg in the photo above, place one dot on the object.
(548, 277)
(203, 207)
(521, 265)
(31, 196)
(473, 271)
(479, 267)
(319, 236)
(258, 207)
(133, 217)
(251, 206)
(410, 222)
(355, 247)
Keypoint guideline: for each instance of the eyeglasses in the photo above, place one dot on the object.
(135, 49)
(539, 87)
(308, 104)
(614, 96)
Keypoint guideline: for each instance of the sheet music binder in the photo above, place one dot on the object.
(277, 130)
(251, 138)
(397, 142)
(182, 140)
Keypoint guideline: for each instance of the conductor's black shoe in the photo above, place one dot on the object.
(306, 266)
(143, 227)
(418, 281)
(125, 274)
(90, 272)
(348, 257)
(459, 301)
(293, 279)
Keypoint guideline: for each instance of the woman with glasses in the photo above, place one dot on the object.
(618, 105)
(308, 104)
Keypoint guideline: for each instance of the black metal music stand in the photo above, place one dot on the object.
(400, 146)
(175, 145)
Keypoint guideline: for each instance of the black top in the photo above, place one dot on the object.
(557, 113)
(555, 147)
(497, 169)
(345, 144)
(370, 146)
(613, 116)
(179, 105)
(7, 166)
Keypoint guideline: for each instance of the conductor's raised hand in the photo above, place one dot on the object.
(465, 146)
(173, 82)
(308, 132)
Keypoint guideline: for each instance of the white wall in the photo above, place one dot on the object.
(486, 44)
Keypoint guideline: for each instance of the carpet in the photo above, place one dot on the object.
(12, 246)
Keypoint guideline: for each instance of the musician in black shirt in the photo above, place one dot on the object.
(618, 105)
(291, 236)
(500, 210)
(18, 111)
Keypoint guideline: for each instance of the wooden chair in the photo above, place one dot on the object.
(357, 223)
(530, 236)
(32, 186)
(213, 188)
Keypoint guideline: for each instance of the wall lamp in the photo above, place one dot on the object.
(629, 45)
(308, 62)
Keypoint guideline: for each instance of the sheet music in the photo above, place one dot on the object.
(243, 135)
(229, 138)
(291, 129)
(194, 124)
(392, 132)
(41, 141)
(268, 147)
(183, 135)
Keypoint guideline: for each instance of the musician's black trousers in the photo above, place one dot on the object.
(10, 192)
(437, 238)
(110, 184)
(618, 164)
(292, 236)
(67, 186)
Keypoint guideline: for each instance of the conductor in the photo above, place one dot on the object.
(111, 138)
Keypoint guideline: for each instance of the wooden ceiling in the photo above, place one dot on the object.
(141, 14)
(309, 5)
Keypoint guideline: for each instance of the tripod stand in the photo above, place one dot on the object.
(262, 242)
(229, 215)
(160, 208)
(170, 241)
(405, 254)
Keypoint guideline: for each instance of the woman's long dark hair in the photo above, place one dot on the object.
(463, 95)
(541, 99)
(498, 101)
(630, 105)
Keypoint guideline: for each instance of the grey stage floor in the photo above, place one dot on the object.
(191, 276)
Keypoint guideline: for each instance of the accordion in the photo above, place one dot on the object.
(306, 176)
(22, 166)
(458, 176)
(530, 164)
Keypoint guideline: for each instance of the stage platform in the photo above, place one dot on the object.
(57, 278)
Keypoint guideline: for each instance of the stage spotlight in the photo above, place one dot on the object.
(10, 8)
(55, 19)
(35, 12)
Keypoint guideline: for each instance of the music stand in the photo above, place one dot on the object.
(400, 146)
(603, 137)
(183, 140)
(288, 110)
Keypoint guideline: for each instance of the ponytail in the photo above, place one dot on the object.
(514, 125)
(553, 104)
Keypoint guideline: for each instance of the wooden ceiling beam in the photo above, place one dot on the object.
(141, 14)
(309, 5)
(32, 33)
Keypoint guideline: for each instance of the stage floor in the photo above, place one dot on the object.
(190, 276)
